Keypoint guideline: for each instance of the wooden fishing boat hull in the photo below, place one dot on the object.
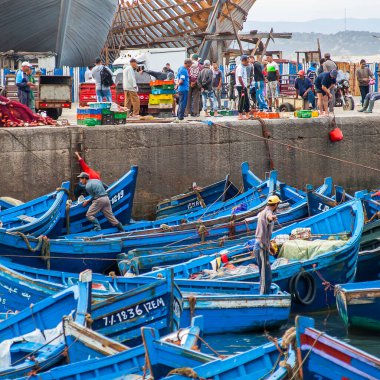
(236, 313)
(327, 358)
(359, 304)
(190, 201)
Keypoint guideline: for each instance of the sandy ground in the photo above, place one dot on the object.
(70, 114)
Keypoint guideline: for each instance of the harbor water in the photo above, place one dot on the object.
(330, 323)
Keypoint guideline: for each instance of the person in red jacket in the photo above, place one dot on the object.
(93, 174)
(85, 168)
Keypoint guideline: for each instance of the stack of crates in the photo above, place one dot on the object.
(89, 116)
(100, 114)
(162, 97)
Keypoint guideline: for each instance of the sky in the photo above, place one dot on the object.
(304, 10)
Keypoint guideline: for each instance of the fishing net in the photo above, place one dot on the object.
(15, 114)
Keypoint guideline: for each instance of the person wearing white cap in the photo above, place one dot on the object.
(24, 86)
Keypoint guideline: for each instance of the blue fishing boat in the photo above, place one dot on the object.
(94, 356)
(97, 253)
(235, 313)
(33, 338)
(40, 216)
(246, 202)
(368, 268)
(369, 255)
(120, 193)
(227, 306)
(197, 198)
(309, 276)
(117, 314)
(359, 304)
(326, 358)
(168, 361)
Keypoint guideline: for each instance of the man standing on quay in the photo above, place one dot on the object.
(182, 87)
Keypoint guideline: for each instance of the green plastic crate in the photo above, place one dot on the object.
(106, 111)
(168, 86)
(304, 114)
(92, 122)
(120, 115)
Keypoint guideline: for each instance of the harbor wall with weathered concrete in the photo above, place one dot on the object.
(172, 156)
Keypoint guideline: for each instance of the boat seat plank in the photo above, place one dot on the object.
(26, 218)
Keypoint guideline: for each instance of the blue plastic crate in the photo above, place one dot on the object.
(162, 92)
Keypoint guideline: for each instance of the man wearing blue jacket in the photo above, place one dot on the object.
(24, 86)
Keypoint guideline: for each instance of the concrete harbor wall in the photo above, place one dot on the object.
(171, 156)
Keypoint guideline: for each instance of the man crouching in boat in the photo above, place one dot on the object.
(264, 229)
(100, 202)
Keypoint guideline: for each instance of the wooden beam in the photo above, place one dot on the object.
(148, 24)
(234, 27)
(176, 5)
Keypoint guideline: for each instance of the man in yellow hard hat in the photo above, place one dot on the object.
(264, 229)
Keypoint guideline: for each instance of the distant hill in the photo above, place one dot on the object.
(349, 43)
(326, 26)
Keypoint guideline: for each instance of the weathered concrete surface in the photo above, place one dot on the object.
(171, 156)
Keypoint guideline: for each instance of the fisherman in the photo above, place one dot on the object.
(273, 80)
(217, 83)
(304, 88)
(364, 76)
(205, 84)
(259, 79)
(328, 66)
(32, 100)
(103, 79)
(24, 86)
(323, 85)
(99, 202)
(168, 69)
(193, 99)
(131, 97)
(242, 87)
(369, 102)
(182, 87)
(88, 75)
(312, 71)
(262, 247)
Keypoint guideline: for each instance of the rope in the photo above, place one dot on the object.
(192, 303)
(185, 372)
(206, 344)
(199, 197)
(295, 147)
(68, 206)
(63, 189)
(202, 232)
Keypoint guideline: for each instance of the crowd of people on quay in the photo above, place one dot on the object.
(202, 84)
